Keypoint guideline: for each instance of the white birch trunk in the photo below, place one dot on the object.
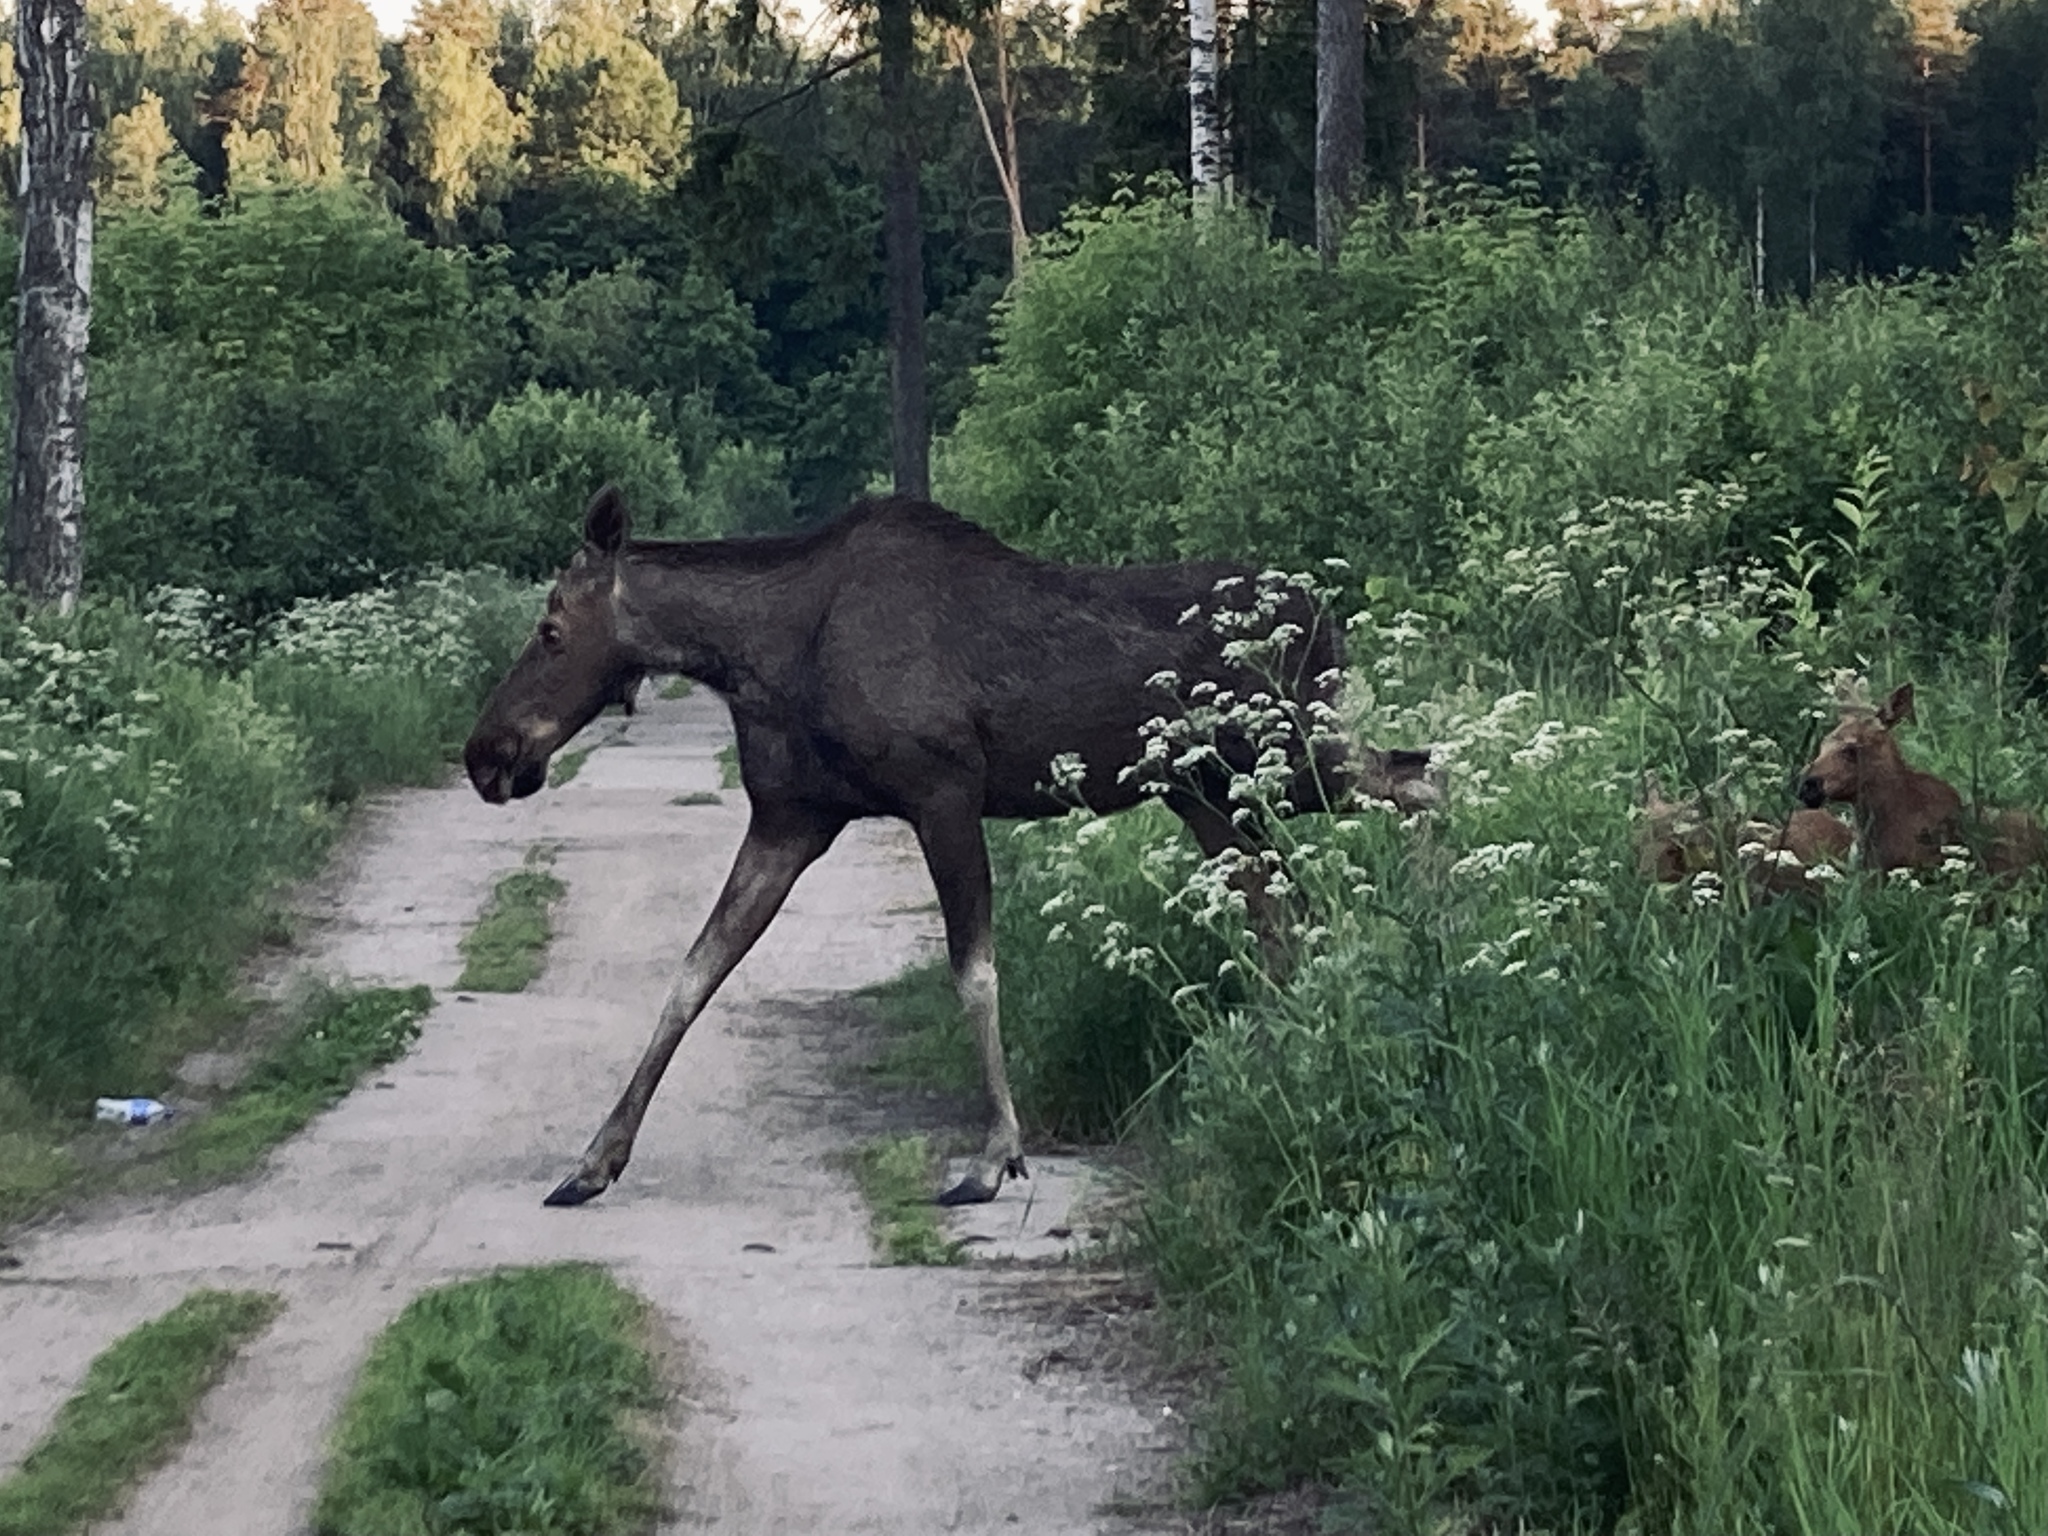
(46, 517)
(1205, 118)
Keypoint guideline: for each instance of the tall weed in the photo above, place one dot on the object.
(162, 772)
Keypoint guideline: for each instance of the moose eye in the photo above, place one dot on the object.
(551, 634)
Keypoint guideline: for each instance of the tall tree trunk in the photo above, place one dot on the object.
(1756, 266)
(1812, 244)
(1003, 152)
(1006, 94)
(1205, 119)
(1340, 119)
(903, 253)
(46, 518)
(1926, 141)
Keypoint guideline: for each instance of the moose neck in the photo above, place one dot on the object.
(729, 614)
(1907, 816)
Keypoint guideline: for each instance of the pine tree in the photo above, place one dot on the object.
(599, 99)
(139, 159)
(459, 128)
(311, 76)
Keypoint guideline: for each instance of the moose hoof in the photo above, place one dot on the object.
(576, 1189)
(969, 1191)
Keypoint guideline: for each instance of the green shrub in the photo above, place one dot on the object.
(166, 764)
(522, 477)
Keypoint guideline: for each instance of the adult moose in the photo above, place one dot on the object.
(902, 662)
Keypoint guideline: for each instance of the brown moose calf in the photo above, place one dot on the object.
(1680, 838)
(1906, 818)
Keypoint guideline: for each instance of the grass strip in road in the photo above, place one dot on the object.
(522, 1401)
(508, 946)
(568, 765)
(897, 1174)
(342, 1035)
(134, 1408)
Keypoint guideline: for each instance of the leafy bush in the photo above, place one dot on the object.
(523, 476)
(168, 763)
(1537, 1193)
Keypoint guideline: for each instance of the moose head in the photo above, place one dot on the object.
(572, 667)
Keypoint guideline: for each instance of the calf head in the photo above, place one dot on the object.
(1408, 778)
(571, 668)
(1858, 752)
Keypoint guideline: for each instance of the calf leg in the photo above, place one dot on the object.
(780, 845)
(957, 856)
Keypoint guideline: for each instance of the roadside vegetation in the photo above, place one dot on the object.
(161, 762)
(522, 1401)
(896, 1176)
(1534, 1193)
(134, 1408)
(507, 948)
(335, 1038)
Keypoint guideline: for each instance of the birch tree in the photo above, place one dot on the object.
(46, 518)
(1205, 117)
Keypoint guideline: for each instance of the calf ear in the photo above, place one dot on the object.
(606, 524)
(1898, 708)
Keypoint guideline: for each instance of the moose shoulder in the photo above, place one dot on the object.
(902, 662)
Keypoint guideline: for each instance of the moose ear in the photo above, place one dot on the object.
(1898, 708)
(606, 525)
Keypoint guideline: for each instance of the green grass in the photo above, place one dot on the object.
(929, 1044)
(568, 765)
(519, 1402)
(677, 688)
(698, 797)
(729, 766)
(897, 1175)
(134, 1408)
(36, 1165)
(341, 1036)
(334, 1037)
(508, 946)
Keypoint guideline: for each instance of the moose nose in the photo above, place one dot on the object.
(1811, 795)
(491, 759)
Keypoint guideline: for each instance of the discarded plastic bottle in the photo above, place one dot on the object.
(131, 1111)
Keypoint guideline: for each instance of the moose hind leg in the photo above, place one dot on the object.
(957, 856)
(778, 848)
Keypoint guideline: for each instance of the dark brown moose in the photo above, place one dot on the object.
(902, 662)
(1906, 818)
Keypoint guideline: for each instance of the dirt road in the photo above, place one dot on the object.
(820, 1393)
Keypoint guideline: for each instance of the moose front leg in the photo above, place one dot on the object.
(957, 856)
(779, 846)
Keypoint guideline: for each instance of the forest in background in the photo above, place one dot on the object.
(1537, 1195)
(365, 304)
